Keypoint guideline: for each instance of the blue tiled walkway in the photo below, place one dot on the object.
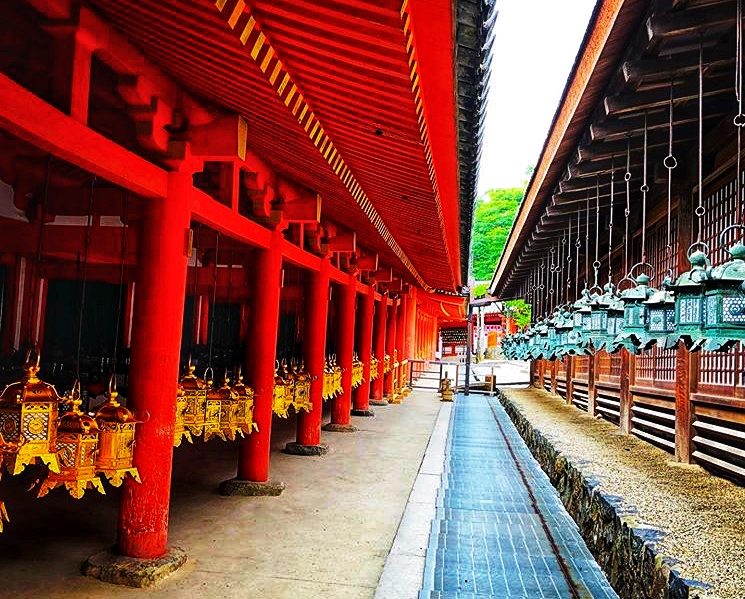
(500, 529)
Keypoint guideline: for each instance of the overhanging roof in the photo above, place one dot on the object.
(372, 73)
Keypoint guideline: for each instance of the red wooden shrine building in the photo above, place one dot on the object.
(653, 80)
(233, 183)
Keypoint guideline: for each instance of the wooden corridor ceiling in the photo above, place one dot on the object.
(633, 50)
(349, 60)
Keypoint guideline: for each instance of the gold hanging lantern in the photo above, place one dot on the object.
(195, 392)
(77, 445)
(28, 419)
(3, 512)
(244, 412)
(279, 395)
(180, 431)
(337, 388)
(116, 439)
(357, 371)
(373, 368)
(228, 408)
(212, 405)
(3, 515)
(387, 364)
(328, 380)
(301, 399)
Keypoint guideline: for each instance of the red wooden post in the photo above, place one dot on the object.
(253, 454)
(314, 344)
(156, 344)
(686, 377)
(625, 393)
(401, 341)
(71, 74)
(554, 375)
(376, 397)
(390, 344)
(592, 370)
(409, 346)
(362, 393)
(341, 410)
(570, 379)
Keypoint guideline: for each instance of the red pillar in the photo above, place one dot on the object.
(376, 396)
(390, 344)
(341, 410)
(362, 393)
(156, 344)
(253, 456)
(409, 345)
(401, 339)
(314, 343)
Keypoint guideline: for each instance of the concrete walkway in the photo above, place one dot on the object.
(498, 527)
(327, 536)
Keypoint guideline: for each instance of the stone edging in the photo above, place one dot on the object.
(625, 550)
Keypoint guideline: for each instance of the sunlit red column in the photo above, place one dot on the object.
(314, 343)
(341, 411)
(401, 337)
(156, 344)
(253, 457)
(376, 391)
(390, 345)
(362, 393)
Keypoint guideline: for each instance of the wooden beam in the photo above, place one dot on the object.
(31, 119)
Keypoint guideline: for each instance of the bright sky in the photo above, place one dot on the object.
(536, 42)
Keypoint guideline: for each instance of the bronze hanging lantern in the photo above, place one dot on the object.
(195, 391)
(228, 410)
(116, 439)
(279, 394)
(77, 445)
(373, 368)
(180, 431)
(28, 420)
(301, 397)
(244, 413)
(212, 408)
(634, 336)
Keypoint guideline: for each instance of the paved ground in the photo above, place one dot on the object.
(699, 517)
(499, 529)
(326, 537)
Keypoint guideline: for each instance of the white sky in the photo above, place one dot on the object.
(535, 45)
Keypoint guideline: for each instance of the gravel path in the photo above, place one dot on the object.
(703, 516)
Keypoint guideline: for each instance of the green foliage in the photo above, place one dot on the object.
(519, 310)
(480, 289)
(493, 217)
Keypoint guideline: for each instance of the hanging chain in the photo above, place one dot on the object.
(577, 246)
(214, 301)
(627, 210)
(644, 189)
(122, 291)
(739, 120)
(587, 240)
(700, 210)
(596, 264)
(610, 218)
(670, 163)
(84, 280)
(35, 298)
(569, 262)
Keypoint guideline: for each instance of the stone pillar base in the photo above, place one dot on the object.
(395, 398)
(378, 402)
(249, 488)
(131, 571)
(306, 450)
(339, 428)
(363, 413)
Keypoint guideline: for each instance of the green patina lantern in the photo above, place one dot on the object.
(564, 326)
(661, 318)
(552, 344)
(724, 307)
(690, 299)
(599, 305)
(634, 336)
(531, 351)
(615, 320)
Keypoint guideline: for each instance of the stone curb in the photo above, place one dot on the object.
(132, 572)
(625, 550)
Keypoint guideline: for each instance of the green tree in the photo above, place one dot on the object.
(493, 217)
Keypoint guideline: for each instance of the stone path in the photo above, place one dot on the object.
(500, 529)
